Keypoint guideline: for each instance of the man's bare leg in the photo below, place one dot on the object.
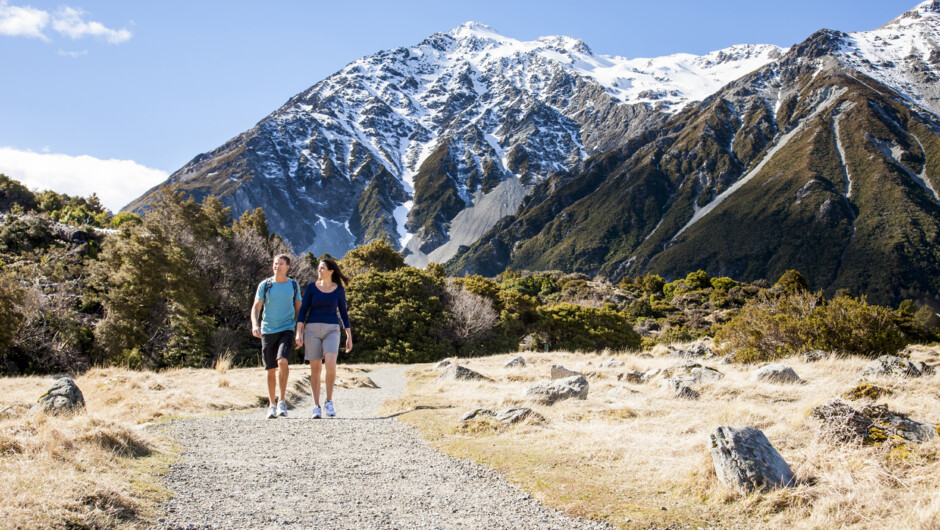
(272, 382)
(282, 377)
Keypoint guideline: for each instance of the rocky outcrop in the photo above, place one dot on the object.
(551, 392)
(872, 425)
(560, 372)
(457, 372)
(776, 373)
(518, 362)
(745, 460)
(890, 365)
(63, 396)
(510, 415)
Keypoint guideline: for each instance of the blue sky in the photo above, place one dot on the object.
(89, 83)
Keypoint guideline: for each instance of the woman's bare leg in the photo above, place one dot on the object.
(330, 374)
(315, 368)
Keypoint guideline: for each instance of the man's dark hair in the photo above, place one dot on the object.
(284, 257)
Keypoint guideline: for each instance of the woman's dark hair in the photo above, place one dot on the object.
(338, 277)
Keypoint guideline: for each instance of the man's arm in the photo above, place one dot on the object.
(255, 313)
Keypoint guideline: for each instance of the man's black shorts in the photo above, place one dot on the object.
(276, 346)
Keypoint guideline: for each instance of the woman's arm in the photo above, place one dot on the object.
(341, 302)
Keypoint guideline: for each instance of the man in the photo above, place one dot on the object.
(280, 297)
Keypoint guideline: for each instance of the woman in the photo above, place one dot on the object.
(318, 329)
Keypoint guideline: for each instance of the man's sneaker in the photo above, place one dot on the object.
(328, 407)
(272, 412)
(316, 413)
(282, 408)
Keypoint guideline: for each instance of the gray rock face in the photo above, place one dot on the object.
(476, 413)
(457, 372)
(518, 362)
(696, 351)
(685, 392)
(560, 372)
(874, 423)
(815, 355)
(559, 389)
(696, 372)
(511, 415)
(515, 415)
(610, 363)
(746, 461)
(62, 396)
(890, 365)
(442, 364)
(650, 374)
(777, 373)
(633, 376)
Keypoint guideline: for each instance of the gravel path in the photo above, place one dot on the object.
(353, 471)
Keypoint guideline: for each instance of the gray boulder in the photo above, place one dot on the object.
(610, 363)
(62, 396)
(517, 414)
(746, 461)
(632, 376)
(455, 371)
(873, 424)
(442, 364)
(696, 372)
(477, 413)
(776, 373)
(518, 362)
(685, 392)
(890, 365)
(815, 355)
(560, 372)
(550, 392)
(650, 374)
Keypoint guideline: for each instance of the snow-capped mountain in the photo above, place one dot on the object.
(430, 145)
(826, 160)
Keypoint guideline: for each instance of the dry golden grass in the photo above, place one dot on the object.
(636, 457)
(99, 469)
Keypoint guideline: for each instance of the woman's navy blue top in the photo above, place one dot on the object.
(321, 307)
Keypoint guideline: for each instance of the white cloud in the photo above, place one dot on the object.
(68, 21)
(73, 55)
(16, 21)
(117, 182)
(26, 21)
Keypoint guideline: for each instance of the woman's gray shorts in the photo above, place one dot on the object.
(320, 338)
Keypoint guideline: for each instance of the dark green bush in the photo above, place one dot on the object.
(398, 316)
(575, 327)
(772, 326)
(792, 281)
(377, 256)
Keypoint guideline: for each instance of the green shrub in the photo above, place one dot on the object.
(697, 280)
(676, 334)
(377, 256)
(11, 302)
(535, 285)
(792, 282)
(398, 316)
(723, 284)
(772, 326)
(575, 327)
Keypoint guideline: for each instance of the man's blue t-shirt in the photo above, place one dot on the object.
(279, 314)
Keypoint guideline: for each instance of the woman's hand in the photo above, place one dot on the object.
(299, 340)
(348, 340)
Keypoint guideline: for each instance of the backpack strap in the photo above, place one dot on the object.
(264, 291)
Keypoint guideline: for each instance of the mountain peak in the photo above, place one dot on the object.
(473, 29)
(564, 42)
(929, 9)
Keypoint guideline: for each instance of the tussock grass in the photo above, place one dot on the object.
(630, 450)
(99, 468)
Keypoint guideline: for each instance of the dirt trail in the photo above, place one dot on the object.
(353, 471)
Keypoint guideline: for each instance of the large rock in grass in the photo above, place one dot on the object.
(62, 396)
(872, 425)
(610, 363)
(518, 362)
(777, 373)
(891, 365)
(744, 460)
(815, 355)
(560, 372)
(517, 414)
(455, 371)
(550, 392)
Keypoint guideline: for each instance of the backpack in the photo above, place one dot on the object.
(267, 287)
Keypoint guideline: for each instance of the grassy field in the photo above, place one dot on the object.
(100, 469)
(634, 456)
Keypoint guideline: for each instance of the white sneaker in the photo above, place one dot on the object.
(328, 407)
(282, 409)
(272, 412)
(316, 413)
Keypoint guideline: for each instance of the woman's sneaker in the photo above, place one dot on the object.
(282, 409)
(328, 407)
(316, 413)
(272, 412)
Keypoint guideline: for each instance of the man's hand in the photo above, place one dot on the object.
(256, 332)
